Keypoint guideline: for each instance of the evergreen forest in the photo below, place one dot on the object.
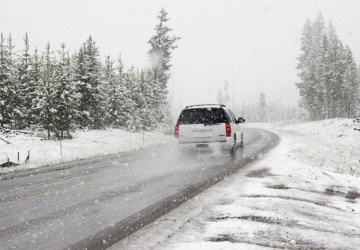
(56, 91)
(329, 76)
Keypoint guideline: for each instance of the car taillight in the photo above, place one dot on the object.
(177, 131)
(228, 130)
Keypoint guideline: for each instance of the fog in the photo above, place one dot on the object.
(251, 44)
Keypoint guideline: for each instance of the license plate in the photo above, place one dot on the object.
(202, 134)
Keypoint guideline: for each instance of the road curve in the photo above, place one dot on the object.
(95, 203)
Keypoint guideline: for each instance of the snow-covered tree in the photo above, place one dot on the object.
(162, 45)
(92, 106)
(58, 92)
(26, 87)
(310, 70)
(65, 100)
(7, 90)
(45, 102)
(132, 96)
(149, 105)
(122, 95)
(149, 89)
(35, 89)
(275, 111)
(111, 92)
(351, 96)
(17, 98)
(327, 73)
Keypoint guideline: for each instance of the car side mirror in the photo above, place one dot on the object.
(241, 120)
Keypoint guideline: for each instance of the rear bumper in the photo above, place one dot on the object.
(217, 144)
(197, 140)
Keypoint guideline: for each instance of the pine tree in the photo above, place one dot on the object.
(36, 89)
(83, 88)
(45, 101)
(140, 99)
(17, 98)
(6, 108)
(132, 112)
(351, 85)
(92, 105)
(318, 98)
(311, 70)
(331, 32)
(162, 45)
(143, 101)
(122, 95)
(304, 67)
(7, 91)
(114, 93)
(110, 86)
(327, 73)
(151, 102)
(26, 87)
(324, 71)
(336, 74)
(65, 98)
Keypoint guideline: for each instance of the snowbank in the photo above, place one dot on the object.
(333, 144)
(85, 144)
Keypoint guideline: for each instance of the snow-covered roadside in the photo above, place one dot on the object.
(85, 144)
(331, 144)
(276, 202)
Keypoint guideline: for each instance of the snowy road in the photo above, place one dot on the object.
(94, 203)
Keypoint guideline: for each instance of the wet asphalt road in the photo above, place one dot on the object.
(95, 203)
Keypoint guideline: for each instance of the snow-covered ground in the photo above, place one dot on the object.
(304, 194)
(331, 144)
(85, 144)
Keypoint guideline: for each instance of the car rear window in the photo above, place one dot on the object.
(202, 116)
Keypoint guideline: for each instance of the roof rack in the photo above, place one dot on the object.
(198, 105)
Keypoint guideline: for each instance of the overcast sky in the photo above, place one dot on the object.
(252, 44)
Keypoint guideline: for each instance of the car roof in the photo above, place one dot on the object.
(205, 106)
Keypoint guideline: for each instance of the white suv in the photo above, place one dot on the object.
(206, 124)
